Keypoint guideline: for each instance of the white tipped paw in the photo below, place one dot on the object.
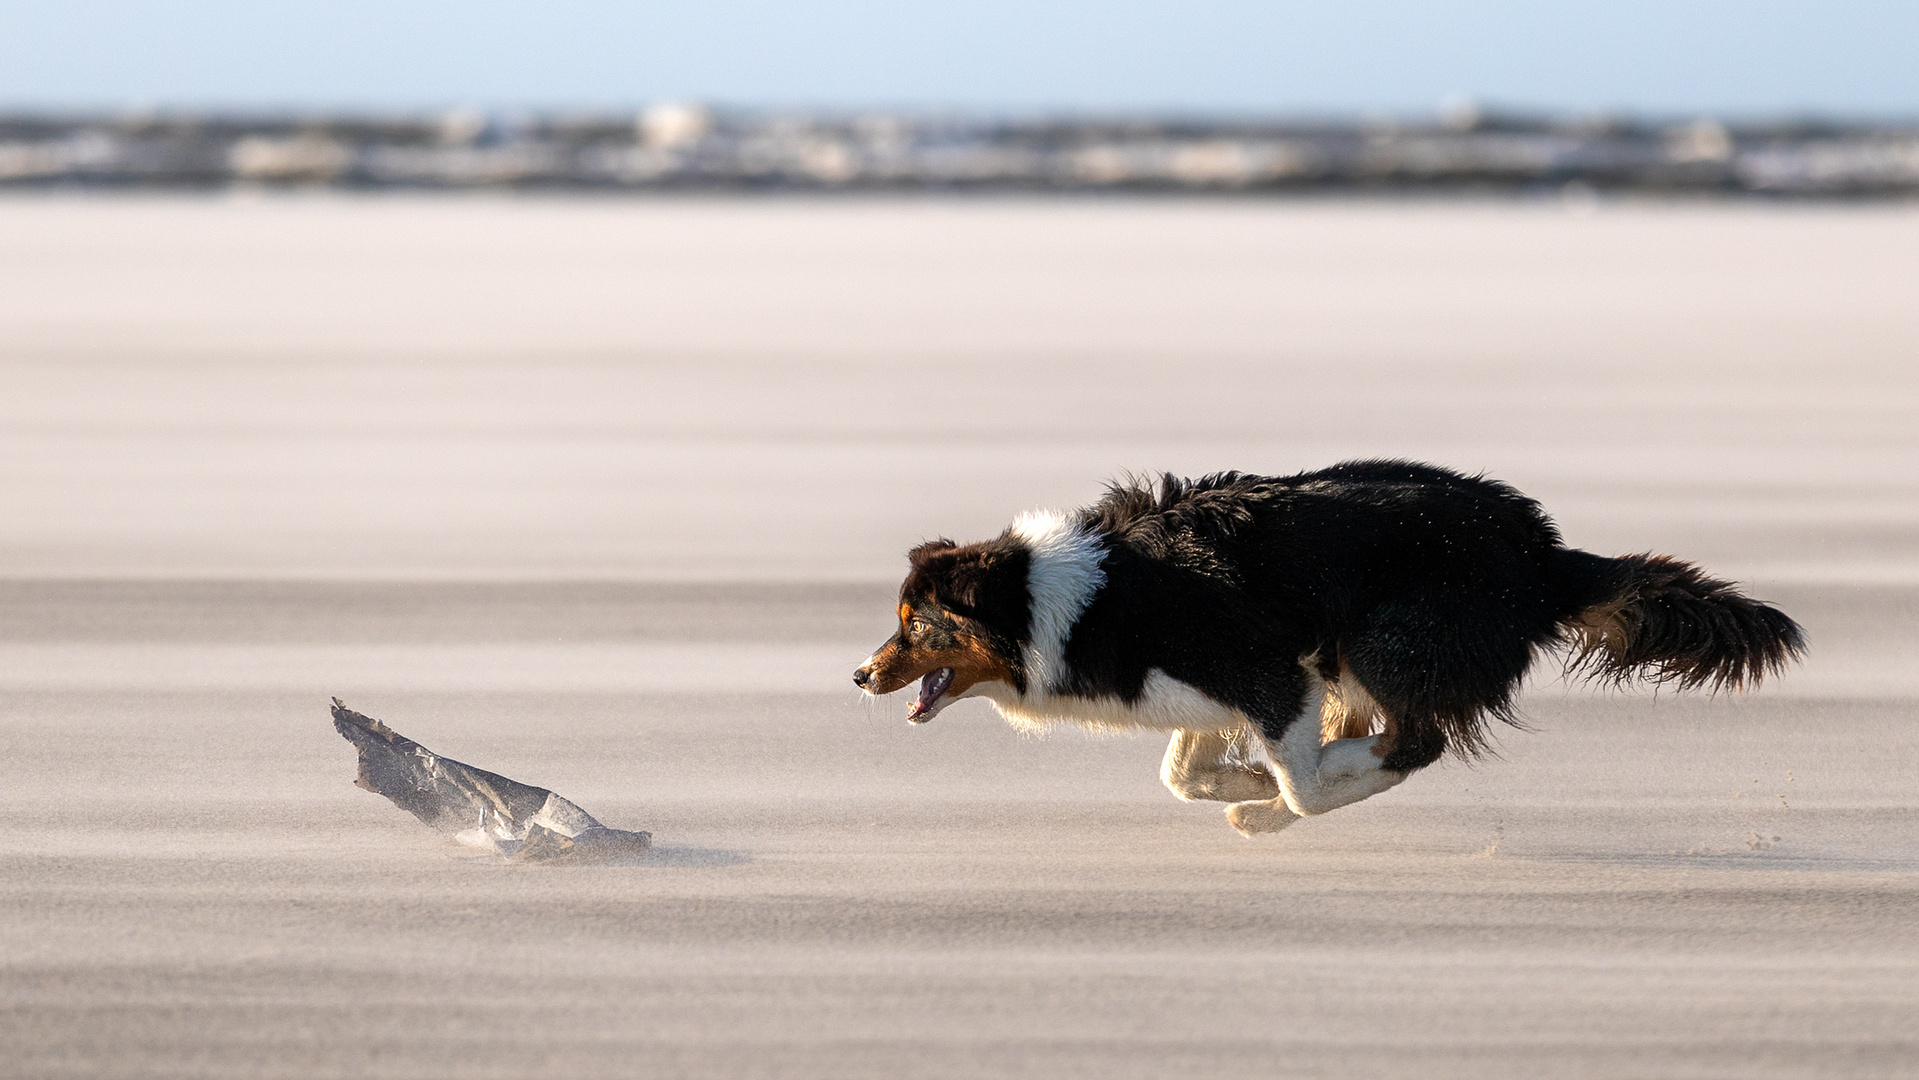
(1265, 816)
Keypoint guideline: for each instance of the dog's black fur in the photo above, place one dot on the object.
(1434, 590)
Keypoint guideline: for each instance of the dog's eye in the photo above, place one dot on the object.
(917, 626)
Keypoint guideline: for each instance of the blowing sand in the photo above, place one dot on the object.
(607, 496)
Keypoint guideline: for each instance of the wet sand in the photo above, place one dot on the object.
(605, 496)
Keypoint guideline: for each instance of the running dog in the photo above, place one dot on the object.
(1347, 626)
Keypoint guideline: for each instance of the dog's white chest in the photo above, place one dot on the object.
(1166, 704)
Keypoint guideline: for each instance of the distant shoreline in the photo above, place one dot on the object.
(689, 148)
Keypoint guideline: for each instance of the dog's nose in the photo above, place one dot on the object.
(862, 677)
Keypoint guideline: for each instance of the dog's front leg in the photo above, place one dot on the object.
(1199, 765)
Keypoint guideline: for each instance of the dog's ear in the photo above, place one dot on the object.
(932, 566)
(924, 555)
(987, 583)
(971, 568)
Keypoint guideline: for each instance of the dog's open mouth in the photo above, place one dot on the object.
(932, 694)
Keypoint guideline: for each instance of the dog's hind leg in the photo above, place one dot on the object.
(1201, 765)
(1314, 777)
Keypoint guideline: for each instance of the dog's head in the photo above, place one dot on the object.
(963, 613)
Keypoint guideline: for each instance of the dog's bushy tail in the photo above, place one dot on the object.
(1657, 618)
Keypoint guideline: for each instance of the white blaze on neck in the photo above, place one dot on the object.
(1061, 580)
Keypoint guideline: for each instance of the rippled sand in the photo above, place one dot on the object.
(607, 496)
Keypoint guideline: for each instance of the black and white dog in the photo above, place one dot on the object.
(1353, 623)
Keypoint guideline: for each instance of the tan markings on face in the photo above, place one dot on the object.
(975, 662)
(900, 661)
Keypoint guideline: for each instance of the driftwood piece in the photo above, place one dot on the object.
(477, 808)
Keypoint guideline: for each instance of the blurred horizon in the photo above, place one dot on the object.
(1733, 61)
(689, 147)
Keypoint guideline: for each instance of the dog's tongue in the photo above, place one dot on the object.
(931, 687)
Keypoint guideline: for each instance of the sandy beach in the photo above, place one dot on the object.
(610, 496)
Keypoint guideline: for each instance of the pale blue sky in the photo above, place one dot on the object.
(1656, 56)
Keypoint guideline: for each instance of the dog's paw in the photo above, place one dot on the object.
(1231, 784)
(1347, 758)
(1244, 785)
(1265, 816)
